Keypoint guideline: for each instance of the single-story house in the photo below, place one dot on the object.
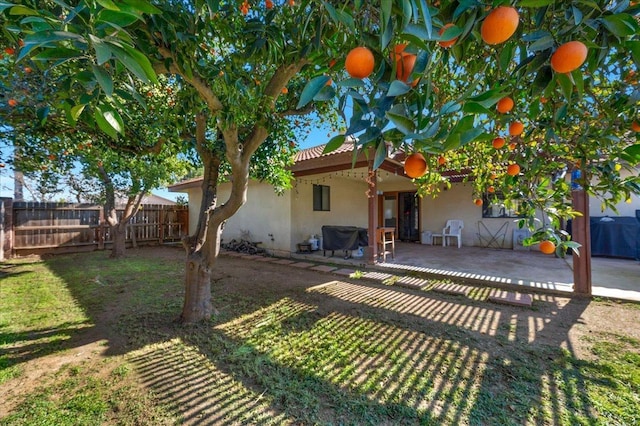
(330, 189)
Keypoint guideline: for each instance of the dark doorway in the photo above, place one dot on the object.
(409, 216)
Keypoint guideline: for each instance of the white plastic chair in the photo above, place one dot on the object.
(452, 229)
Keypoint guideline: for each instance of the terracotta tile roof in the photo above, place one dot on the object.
(317, 151)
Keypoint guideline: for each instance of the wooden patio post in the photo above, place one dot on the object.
(581, 233)
(372, 195)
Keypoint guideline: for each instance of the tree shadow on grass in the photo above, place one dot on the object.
(342, 352)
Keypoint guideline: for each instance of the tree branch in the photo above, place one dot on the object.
(196, 81)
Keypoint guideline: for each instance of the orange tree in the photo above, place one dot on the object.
(253, 64)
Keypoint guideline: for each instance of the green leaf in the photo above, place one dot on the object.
(620, 25)
(543, 43)
(333, 144)
(535, 3)
(634, 47)
(103, 53)
(327, 93)
(134, 61)
(578, 79)
(381, 154)
(4, 6)
(350, 82)
(109, 121)
(452, 141)
(117, 18)
(42, 114)
(403, 124)
(543, 78)
(426, 16)
(506, 56)
(475, 108)
(23, 10)
(566, 85)
(450, 107)
(372, 133)
(104, 79)
(398, 88)
(57, 53)
(387, 35)
(470, 135)
(142, 6)
(432, 130)
(631, 154)
(311, 89)
(76, 111)
(108, 4)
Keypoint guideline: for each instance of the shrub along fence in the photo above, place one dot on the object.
(38, 228)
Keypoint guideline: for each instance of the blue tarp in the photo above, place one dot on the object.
(617, 236)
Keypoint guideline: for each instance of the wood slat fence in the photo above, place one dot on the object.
(38, 228)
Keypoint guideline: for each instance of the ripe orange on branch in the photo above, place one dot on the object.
(505, 105)
(498, 143)
(513, 169)
(499, 25)
(415, 165)
(516, 128)
(478, 202)
(404, 63)
(547, 247)
(568, 57)
(12, 102)
(360, 62)
(635, 126)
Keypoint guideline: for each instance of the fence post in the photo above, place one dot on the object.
(6, 228)
(101, 228)
(161, 217)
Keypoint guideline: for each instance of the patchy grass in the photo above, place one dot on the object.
(279, 353)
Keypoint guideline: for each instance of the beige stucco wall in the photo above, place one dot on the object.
(264, 213)
(265, 216)
(454, 203)
(195, 199)
(348, 203)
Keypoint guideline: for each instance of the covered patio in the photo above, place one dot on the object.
(612, 277)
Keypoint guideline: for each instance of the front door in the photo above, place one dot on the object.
(408, 216)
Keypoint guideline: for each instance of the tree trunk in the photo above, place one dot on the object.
(118, 238)
(197, 298)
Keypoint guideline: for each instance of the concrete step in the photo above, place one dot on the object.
(513, 298)
(302, 265)
(324, 268)
(451, 288)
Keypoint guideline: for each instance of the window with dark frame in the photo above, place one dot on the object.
(321, 197)
(494, 206)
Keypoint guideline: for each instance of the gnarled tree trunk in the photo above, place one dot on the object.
(203, 247)
(118, 238)
(118, 225)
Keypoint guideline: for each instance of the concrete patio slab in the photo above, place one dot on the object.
(267, 259)
(530, 270)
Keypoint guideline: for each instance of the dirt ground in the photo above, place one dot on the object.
(553, 320)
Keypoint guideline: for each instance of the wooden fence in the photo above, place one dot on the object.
(37, 228)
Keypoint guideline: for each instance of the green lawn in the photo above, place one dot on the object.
(284, 350)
